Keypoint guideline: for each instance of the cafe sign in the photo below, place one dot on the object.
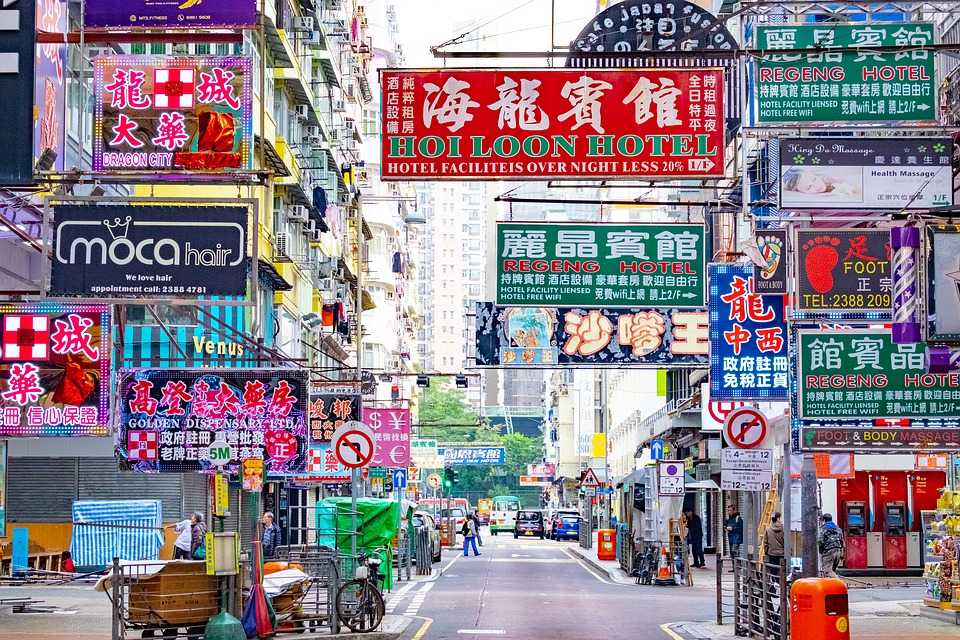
(861, 374)
(607, 265)
(536, 124)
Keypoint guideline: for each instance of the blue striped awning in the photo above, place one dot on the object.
(108, 529)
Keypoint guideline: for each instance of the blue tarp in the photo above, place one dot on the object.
(132, 530)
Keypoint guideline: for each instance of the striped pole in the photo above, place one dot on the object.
(905, 242)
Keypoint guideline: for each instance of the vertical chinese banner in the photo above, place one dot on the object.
(328, 412)
(391, 427)
(748, 337)
(171, 114)
(54, 370)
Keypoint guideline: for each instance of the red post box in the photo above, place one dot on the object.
(606, 544)
(818, 609)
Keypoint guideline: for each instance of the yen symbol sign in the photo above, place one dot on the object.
(745, 428)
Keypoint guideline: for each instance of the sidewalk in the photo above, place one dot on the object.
(889, 620)
(702, 578)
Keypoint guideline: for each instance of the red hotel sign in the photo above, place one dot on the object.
(456, 124)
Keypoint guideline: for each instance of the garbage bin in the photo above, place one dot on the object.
(606, 544)
(448, 535)
(818, 609)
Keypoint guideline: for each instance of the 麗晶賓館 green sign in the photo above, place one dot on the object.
(861, 374)
(600, 265)
(845, 86)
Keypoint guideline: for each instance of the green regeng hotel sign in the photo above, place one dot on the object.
(861, 374)
(600, 265)
(847, 86)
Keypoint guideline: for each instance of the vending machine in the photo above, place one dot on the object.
(894, 535)
(855, 533)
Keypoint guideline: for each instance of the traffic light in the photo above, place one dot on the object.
(449, 478)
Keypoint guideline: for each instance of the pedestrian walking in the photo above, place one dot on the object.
(830, 543)
(183, 545)
(476, 521)
(695, 539)
(734, 528)
(270, 536)
(469, 532)
(198, 537)
(773, 542)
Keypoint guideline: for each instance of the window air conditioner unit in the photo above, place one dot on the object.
(326, 284)
(303, 111)
(297, 213)
(313, 130)
(339, 105)
(302, 23)
(314, 141)
(282, 244)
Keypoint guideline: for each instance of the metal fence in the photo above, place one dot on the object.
(756, 601)
(423, 552)
(309, 604)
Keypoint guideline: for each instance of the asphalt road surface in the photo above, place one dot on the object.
(530, 589)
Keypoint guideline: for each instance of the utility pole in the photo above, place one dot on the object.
(358, 343)
(808, 499)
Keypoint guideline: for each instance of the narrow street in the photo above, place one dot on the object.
(532, 589)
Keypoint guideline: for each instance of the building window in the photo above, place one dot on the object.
(369, 122)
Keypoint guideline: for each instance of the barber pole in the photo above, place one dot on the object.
(905, 242)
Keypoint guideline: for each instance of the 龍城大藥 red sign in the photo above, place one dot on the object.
(171, 114)
(460, 124)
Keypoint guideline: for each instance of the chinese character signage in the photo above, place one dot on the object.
(17, 43)
(474, 455)
(541, 337)
(772, 248)
(54, 370)
(328, 412)
(169, 14)
(838, 86)
(866, 173)
(49, 89)
(164, 252)
(170, 114)
(168, 418)
(943, 273)
(551, 123)
(862, 374)
(324, 466)
(602, 265)
(391, 428)
(748, 337)
(843, 270)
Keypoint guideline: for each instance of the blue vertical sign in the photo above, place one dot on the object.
(656, 450)
(748, 337)
(399, 479)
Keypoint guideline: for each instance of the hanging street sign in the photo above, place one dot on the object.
(461, 124)
(670, 478)
(391, 426)
(748, 337)
(772, 273)
(354, 445)
(843, 270)
(845, 86)
(943, 282)
(606, 265)
(866, 173)
(544, 337)
(861, 374)
(745, 428)
(150, 14)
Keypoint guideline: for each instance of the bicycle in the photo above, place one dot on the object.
(359, 603)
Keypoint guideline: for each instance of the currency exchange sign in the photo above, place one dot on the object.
(862, 374)
(607, 265)
(458, 124)
(748, 337)
(845, 86)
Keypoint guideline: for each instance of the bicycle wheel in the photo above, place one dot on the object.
(360, 606)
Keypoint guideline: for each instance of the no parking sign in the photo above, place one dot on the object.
(745, 428)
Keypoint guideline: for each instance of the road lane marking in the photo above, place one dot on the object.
(482, 632)
(534, 560)
(417, 601)
(670, 632)
(586, 567)
(394, 598)
(423, 628)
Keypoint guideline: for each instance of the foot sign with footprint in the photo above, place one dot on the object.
(820, 260)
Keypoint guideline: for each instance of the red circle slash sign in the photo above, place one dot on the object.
(354, 449)
(746, 428)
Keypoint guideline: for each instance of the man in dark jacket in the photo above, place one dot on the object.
(695, 538)
(734, 527)
(270, 538)
(830, 544)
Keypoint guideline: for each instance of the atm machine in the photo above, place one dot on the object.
(855, 533)
(894, 535)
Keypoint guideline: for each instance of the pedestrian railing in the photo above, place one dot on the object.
(756, 601)
(424, 552)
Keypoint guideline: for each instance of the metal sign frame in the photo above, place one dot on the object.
(253, 240)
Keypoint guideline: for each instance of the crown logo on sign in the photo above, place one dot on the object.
(123, 226)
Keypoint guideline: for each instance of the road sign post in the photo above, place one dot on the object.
(670, 478)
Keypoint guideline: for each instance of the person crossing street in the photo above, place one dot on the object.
(470, 535)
